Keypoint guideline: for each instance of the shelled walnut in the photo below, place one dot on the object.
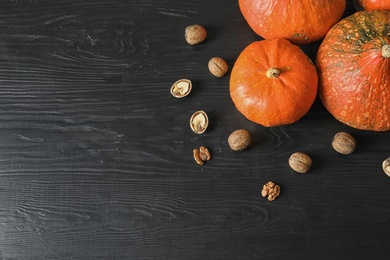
(201, 155)
(271, 190)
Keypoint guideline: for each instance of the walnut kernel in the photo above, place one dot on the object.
(204, 153)
(195, 34)
(300, 162)
(201, 155)
(197, 158)
(239, 140)
(218, 66)
(344, 143)
(270, 190)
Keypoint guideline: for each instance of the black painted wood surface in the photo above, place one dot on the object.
(96, 155)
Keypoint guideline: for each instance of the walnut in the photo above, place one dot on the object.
(344, 143)
(201, 155)
(218, 66)
(300, 162)
(386, 166)
(181, 88)
(199, 122)
(204, 153)
(239, 140)
(195, 34)
(197, 158)
(271, 190)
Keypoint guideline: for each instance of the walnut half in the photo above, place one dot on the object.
(199, 122)
(181, 88)
(271, 190)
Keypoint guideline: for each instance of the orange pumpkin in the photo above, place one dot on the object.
(300, 21)
(374, 4)
(354, 69)
(273, 82)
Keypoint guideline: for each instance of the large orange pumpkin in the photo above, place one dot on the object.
(300, 21)
(354, 69)
(273, 82)
(374, 4)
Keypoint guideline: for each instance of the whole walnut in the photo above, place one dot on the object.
(300, 162)
(195, 34)
(344, 143)
(218, 66)
(239, 140)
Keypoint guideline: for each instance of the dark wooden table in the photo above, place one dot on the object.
(96, 155)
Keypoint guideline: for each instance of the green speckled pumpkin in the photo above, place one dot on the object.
(354, 70)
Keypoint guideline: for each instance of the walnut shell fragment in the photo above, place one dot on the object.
(199, 122)
(181, 88)
(271, 190)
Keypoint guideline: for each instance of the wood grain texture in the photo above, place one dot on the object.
(96, 155)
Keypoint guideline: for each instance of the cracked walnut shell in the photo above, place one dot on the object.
(181, 88)
(386, 166)
(271, 190)
(199, 122)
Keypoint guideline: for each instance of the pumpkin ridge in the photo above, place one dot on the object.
(374, 62)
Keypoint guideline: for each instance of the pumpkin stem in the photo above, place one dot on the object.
(386, 51)
(272, 73)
